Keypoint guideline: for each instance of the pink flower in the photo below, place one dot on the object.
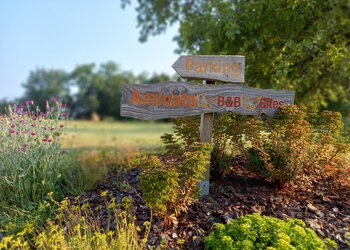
(63, 105)
(22, 149)
(33, 125)
(64, 114)
(21, 107)
(33, 133)
(54, 99)
(11, 131)
(49, 140)
(25, 113)
(45, 140)
(25, 145)
(52, 129)
(21, 121)
(42, 114)
(29, 102)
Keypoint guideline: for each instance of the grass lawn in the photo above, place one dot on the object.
(88, 134)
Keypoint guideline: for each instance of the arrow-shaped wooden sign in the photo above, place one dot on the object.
(226, 68)
(178, 99)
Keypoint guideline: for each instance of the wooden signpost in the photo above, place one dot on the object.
(216, 68)
(178, 99)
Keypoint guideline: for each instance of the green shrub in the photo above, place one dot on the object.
(221, 155)
(295, 142)
(30, 155)
(262, 232)
(186, 133)
(168, 188)
(159, 184)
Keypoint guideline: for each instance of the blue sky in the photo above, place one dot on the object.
(61, 34)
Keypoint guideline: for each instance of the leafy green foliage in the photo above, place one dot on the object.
(301, 45)
(79, 226)
(254, 231)
(186, 132)
(30, 155)
(159, 184)
(168, 188)
(221, 155)
(42, 84)
(297, 141)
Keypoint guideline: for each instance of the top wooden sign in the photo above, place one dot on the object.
(226, 68)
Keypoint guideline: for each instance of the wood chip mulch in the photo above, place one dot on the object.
(324, 208)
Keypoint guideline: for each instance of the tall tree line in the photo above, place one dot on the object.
(88, 89)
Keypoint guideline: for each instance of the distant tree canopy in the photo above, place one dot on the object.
(87, 89)
(288, 44)
(43, 84)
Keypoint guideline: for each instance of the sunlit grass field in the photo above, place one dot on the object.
(88, 134)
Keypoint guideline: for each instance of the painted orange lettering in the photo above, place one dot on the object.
(135, 98)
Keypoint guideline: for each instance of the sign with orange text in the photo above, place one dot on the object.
(178, 99)
(226, 68)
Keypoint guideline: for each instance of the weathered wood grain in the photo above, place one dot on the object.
(252, 100)
(205, 135)
(227, 68)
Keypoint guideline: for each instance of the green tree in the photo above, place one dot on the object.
(85, 79)
(144, 78)
(99, 89)
(43, 84)
(288, 44)
(109, 89)
(4, 103)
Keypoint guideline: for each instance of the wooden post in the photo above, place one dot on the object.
(206, 130)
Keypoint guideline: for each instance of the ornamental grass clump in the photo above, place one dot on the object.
(30, 154)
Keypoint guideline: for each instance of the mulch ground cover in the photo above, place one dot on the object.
(324, 208)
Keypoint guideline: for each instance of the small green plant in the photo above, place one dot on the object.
(254, 231)
(168, 188)
(222, 154)
(78, 226)
(186, 133)
(159, 184)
